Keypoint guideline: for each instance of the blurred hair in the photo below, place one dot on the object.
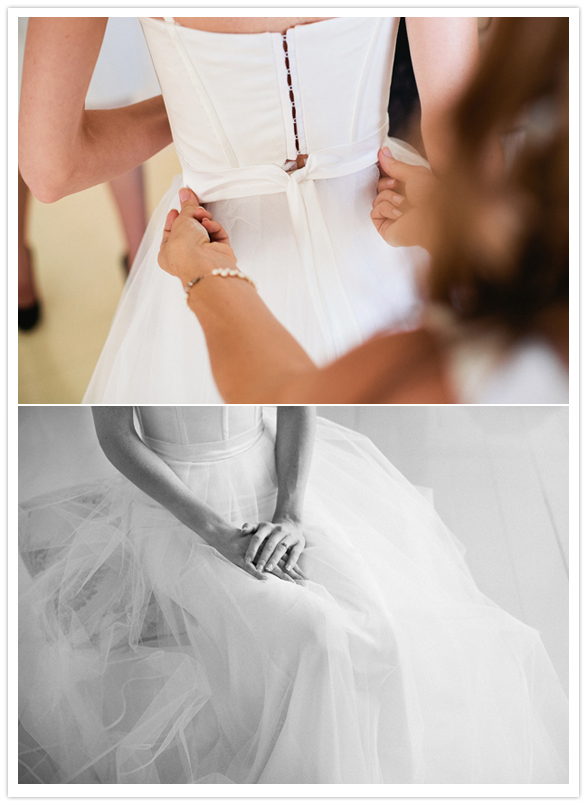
(503, 254)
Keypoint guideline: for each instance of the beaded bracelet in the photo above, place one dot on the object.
(219, 272)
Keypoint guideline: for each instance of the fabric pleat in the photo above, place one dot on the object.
(147, 657)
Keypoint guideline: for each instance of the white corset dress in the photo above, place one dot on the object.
(242, 107)
(145, 656)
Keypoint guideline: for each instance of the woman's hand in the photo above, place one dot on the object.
(193, 243)
(233, 544)
(401, 210)
(277, 545)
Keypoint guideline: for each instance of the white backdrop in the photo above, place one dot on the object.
(500, 480)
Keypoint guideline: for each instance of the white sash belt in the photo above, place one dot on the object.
(203, 452)
(311, 233)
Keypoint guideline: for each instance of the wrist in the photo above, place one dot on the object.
(217, 534)
(293, 516)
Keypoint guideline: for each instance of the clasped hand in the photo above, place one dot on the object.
(402, 209)
(193, 243)
(266, 548)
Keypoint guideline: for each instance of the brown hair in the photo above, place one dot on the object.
(503, 257)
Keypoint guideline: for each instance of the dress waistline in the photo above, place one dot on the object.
(309, 227)
(203, 452)
(259, 180)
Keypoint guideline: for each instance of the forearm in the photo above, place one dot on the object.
(104, 144)
(444, 54)
(253, 357)
(294, 444)
(62, 147)
(131, 456)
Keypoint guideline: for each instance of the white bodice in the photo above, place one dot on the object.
(305, 235)
(229, 96)
(199, 432)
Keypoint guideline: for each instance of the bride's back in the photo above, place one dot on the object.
(264, 98)
(244, 25)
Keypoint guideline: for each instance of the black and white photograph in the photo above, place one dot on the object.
(232, 594)
(293, 411)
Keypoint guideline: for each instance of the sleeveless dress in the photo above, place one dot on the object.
(242, 107)
(147, 657)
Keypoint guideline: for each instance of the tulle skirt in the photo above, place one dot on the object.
(349, 285)
(147, 657)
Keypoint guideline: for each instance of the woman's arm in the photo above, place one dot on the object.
(296, 426)
(256, 360)
(62, 147)
(444, 53)
(131, 456)
(293, 454)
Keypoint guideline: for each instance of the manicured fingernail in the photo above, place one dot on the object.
(184, 195)
(268, 568)
(389, 182)
(386, 151)
(398, 199)
(396, 213)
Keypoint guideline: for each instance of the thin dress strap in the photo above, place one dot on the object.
(170, 20)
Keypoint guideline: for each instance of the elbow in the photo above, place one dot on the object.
(45, 186)
(48, 178)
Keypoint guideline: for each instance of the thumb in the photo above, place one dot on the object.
(393, 167)
(189, 201)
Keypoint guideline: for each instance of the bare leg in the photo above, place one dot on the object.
(27, 295)
(128, 192)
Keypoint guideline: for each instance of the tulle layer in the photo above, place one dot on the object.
(334, 290)
(147, 657)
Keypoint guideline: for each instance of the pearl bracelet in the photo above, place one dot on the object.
(219, 272)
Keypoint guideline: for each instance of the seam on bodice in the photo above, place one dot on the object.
(182, 431)
(203, 97)
(365, 72)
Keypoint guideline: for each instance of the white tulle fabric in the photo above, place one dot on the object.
(147, 657)
(305, 237)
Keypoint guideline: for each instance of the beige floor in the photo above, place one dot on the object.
(77, 244)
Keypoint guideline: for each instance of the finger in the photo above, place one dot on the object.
(169, 221)
(252, 570)
(385, 209)
(278, 554)
(189, 203)
(248, 528)
(299, 572)
(277, 571)
(386, 184)
(171, 217)
(393, 168)
(292, 573)
(261, 534)
(294, 555)
(395, 199)
(216, 231)
(202, 214)
(383, 225)
(270, 546)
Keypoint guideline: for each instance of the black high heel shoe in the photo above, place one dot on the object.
(29, 317)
